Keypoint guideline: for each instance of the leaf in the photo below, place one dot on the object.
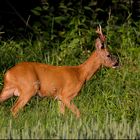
(88, 8)
(99, 9)
(59, 19)
(36, 11)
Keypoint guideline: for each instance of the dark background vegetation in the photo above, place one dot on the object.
(21, 18)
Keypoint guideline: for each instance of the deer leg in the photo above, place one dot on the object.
(6, 94)
(61, 107)
(72, 107)
(21, 102)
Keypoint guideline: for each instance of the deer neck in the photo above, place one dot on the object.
(90, 66)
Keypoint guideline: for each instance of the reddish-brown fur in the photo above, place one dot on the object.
(27, 79)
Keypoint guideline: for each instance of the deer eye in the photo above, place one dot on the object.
(108, 55)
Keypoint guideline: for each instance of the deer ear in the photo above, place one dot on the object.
(99, 45)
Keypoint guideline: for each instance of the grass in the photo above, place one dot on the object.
(64, 128)
(109, 102)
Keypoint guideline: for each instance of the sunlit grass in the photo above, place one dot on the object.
(71, 128)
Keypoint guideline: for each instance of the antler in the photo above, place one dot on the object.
(99, 31)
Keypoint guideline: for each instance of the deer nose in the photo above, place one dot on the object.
(116, 65)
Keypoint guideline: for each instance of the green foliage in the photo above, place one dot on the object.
(55, 20)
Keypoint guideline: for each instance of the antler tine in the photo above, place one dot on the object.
(99, 31)
(100, 28)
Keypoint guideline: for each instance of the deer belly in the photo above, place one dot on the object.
(52, 91)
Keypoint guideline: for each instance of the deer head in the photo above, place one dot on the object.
(105, 58)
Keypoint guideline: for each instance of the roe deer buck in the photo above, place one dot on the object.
(27, 79)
